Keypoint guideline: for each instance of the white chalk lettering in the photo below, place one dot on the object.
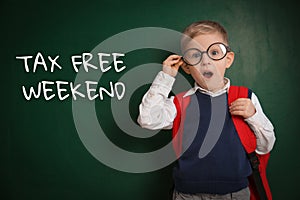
(89, 90)
(60, 90)
(25, 58)
(116, 62)
(46, 90)
(54, 63)
(86, 58)
(64, 89)
(75, 63)
(36, 94)
(122, 85)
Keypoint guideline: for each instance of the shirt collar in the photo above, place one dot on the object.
(204, 91)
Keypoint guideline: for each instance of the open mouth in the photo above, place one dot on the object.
(207, 74)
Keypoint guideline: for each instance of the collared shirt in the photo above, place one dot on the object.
(224, 89)
(157, 111)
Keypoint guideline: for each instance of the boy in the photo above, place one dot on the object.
(221, 172)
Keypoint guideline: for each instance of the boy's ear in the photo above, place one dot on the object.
(186, 68)
(229, 59)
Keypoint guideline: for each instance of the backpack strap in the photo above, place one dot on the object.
(181, 104)
(258, 183)
(246, 135)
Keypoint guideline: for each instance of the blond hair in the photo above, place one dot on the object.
(203, 27)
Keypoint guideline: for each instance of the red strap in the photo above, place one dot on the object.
(181, 104)
(248, 140)
(246, 135)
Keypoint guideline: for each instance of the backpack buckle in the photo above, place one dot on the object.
(254, 161)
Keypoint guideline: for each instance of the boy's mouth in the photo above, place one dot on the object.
(207, 74)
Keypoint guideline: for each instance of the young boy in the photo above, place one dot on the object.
(221, 172)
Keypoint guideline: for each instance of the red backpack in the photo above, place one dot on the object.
(258, 183)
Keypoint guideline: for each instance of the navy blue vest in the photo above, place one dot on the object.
(222, 165)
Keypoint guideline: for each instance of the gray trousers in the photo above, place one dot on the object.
(243, 194)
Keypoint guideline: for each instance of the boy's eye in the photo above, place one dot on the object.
(196, 55)
(192, 56)
(214, 52)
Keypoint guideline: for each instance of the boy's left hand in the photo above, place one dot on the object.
(242, 107)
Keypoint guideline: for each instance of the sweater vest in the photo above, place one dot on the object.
(213, 158)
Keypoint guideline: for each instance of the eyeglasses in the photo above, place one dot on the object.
(215, 51)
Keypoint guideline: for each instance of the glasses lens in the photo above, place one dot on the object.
(192, 56)
(217, 51)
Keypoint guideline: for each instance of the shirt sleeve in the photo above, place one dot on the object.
(156, 110)
(262, 128)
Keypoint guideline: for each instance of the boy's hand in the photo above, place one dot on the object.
(172, 64)
(242, 107)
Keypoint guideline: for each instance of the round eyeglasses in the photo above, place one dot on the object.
(215, 51)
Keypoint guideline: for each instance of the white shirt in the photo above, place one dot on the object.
(157, 111)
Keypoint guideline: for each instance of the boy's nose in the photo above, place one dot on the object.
(205, 60)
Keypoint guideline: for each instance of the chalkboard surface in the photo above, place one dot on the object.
(43, 155)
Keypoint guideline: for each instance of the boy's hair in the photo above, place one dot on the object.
(203, 27)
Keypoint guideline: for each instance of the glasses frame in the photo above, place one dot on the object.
(202, 52)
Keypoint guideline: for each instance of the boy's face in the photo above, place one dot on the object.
(209, 74)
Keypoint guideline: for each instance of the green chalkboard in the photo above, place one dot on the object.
(42, 152)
